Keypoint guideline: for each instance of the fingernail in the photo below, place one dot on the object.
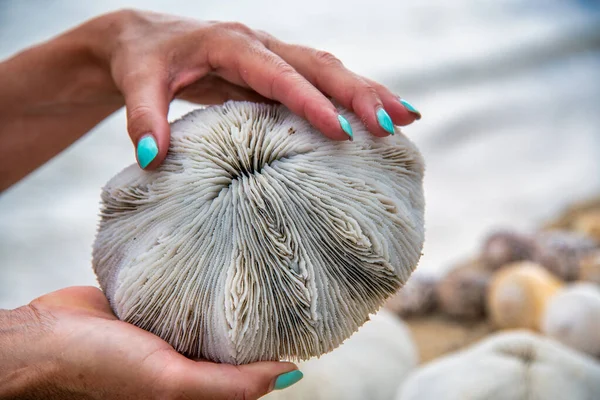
(346, 127)
(288, 379)
(410, 108)
(385, 121)
(146, 150)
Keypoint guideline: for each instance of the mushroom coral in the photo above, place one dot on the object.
(371, 364)
(507, 366)
(258, 238)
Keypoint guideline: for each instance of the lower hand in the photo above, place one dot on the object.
(69, 344)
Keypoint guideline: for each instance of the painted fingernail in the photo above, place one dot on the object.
(288, 379)
(385, 121)
(346, 127)
(411, 108)
(146, 150)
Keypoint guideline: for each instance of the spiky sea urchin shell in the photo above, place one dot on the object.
(258, 238)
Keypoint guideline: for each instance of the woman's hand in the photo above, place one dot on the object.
(55, 92)
(69, 344)
(154, 58)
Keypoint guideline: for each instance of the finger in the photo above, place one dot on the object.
(224, 381)
(352, 91)
(271, 77)
(147, 101)
(87, 298)
(401, 112)
(213, 89)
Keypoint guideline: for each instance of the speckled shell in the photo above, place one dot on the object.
(417, 297)
(258, 238)
(505, 246)
(561, 251)
(461, 293)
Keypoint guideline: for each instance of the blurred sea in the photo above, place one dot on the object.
(509, 91)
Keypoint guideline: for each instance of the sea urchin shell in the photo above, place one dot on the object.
(258, 238)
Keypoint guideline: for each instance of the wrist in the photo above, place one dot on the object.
(25, 372)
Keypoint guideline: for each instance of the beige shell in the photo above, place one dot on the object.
(371, 364)
(589, 224)
(518, 295)
(573, 317)
(258, 238)
(507, 366)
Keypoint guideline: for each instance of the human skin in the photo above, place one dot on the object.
(69, 345)
(55, 92)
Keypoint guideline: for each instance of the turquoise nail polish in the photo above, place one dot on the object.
(410, 108)
(287, 379)
(346, 127)
(146, 150)
(385, 121)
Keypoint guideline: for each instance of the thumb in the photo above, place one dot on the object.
(147, 102)
(88, 299)
(224, 381)
(263, 377)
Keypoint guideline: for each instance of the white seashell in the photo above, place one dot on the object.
(573, 317)
(371, 364)
(258, 238)
(507, 366)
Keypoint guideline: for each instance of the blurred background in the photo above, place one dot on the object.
(509, 91)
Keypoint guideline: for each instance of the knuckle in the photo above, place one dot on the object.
(136, 116)
(327, 59)
(368, 90)
(235, 27)
(285, 71)
(268, 39)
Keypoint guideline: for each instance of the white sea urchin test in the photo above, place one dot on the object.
(258, 238)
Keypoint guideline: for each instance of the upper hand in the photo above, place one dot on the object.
(77, 347)
(154, 58)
